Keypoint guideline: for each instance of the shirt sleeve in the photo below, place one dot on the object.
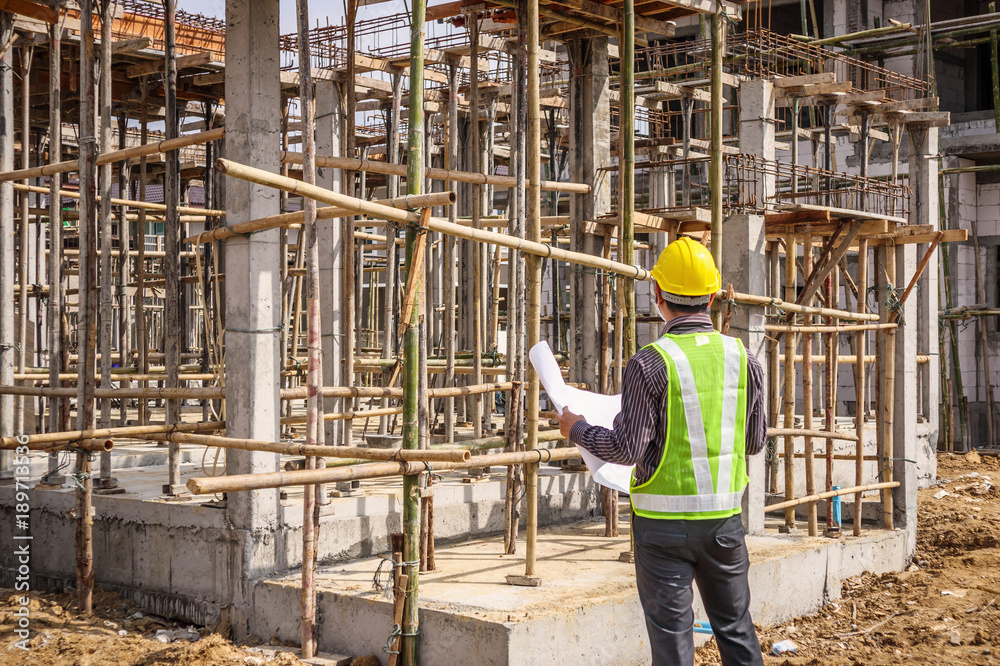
(635, 426)
(756, 436)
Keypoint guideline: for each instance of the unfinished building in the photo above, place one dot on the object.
(266, 299)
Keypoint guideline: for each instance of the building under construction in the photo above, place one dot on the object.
(266, 299)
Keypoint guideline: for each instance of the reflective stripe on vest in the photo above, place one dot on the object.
(725, 495)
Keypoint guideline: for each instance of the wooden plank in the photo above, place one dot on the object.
(156, 66)
(131, 45)
(868, 228)
(661, 90)
(925, 119)
(950, 236)
(797, 217)
(614, 15)
(31, 10)
(814, 89)
(806, 79)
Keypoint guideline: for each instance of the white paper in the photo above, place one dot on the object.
(597, 409)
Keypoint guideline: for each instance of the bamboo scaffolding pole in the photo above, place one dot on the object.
(806, 328)
(477, 206)
(851, 359)
(406, 469)
(888, 393)
(314, 378)
(58, 409)
(450, 242)
(807, 388)
(168, 393)
(357, 206)
(636, 272)
(409, 646)
(818, 434)
(774, 392)
(829, 397)
(124, 266)
(321, 451)
(74, 436)
(129, 203)
(22, 278)
(373, 166)
(715, 121)
(141, 328)
(789, 388)
(87, 331)
(860, 383)
(165, 146)
(811, 499)
(345, 416)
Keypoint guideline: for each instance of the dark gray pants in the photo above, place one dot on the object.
(669, 554)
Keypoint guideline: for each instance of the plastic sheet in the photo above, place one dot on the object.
(597, 409)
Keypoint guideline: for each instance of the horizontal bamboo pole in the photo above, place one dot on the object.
(371, 166)
(793, 328)
(112, 433)
(826, 495)
(179, 393)
(628, 270)
(220, 484)
(359, 206)
(164, 146)
(344, 416)
(849, 359)
(85, 445)
(299, 393)
(324, 213)
(131, 376)
(819, 434)
(145, 205)
(291, 448)
(498, 441)
(839, 456)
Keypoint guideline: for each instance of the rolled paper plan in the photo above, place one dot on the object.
(597, 409)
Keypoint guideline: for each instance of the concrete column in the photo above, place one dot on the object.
(8, 352)
(745, 265)
(925, 209)
(904, 436)
(589, 149)
(330, 238)
(253, 125)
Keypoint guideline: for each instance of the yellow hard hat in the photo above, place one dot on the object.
(686, 268)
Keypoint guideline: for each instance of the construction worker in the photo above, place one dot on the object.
(692, 409)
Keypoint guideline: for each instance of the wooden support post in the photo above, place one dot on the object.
(774, 391)
(888, 391)
(124, 268)
(22, 277)
(477, 203)
(141, 329)
(860, 383)
(450, 247)
(347, 224)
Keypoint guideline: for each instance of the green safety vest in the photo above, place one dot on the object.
(702, 473)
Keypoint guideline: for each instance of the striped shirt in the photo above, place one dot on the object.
(641, 427)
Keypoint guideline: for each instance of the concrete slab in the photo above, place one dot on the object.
(586, 610)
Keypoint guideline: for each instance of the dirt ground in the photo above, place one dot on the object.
(944, 610)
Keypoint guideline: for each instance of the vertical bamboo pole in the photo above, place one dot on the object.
(450, 244)
(8, 330)
(534, 271)
(807, 389)
(22, 278)
(104, 183)
(411, 343)
(774, 392)
(124, 265)
(829, 404)
(715, 174)
(477, 248)
(959, 392)
(789, 408)
(391, 256)
(981, 329)
(860, 383)
(87, 330)
(172, 241)
(626, 172)
(888, 391)
(347, 226)
(57, 406)
(141, 328)
(314, 376)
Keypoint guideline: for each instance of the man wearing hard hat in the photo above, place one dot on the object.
(692, 409)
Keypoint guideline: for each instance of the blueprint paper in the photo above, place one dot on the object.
(597, 409)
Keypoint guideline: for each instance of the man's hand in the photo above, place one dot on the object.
(566, 421)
